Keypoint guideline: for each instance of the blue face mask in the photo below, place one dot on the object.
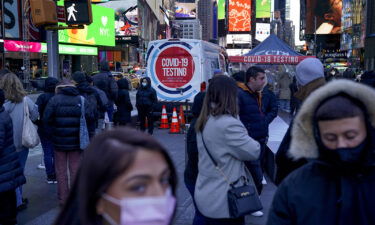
(144, 84)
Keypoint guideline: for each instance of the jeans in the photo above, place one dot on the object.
(229, 221)
(199, 219)
(8, 208)
(142, 118)
(22, 155)
(110, 111)
(63, 161)
(49, 159)
(255, 168)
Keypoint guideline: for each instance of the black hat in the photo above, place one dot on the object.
(79, 77)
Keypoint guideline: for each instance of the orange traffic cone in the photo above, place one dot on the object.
(175, 126)
(164, 119)
(181, 116)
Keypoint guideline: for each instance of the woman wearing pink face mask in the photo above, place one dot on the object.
(126, 178)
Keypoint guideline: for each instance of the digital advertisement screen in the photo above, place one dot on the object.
(185, 10)
(100, 32)
(328, 15)
(221, 9)
(239, 15)
(262, 31)
(263, 9)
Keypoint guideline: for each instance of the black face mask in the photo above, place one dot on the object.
(350, 155)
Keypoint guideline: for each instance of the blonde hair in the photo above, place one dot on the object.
(13, 88)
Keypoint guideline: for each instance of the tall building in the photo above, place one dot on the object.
(205, 15)
(370, 38)
(190, 29)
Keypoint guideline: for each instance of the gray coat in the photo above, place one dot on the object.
(229, 144)
(15, 111)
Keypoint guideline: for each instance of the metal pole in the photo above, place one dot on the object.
(53, 53)
(3, 32)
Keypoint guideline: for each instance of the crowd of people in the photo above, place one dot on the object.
(325, 163)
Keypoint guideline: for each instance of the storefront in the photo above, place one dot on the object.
(14, 56)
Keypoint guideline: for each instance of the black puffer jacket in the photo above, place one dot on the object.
(41, 102)
(146, 97)
(108, 84)
(62, 117)
(95, 104)
(11, 175)
(251, 113)
(124, 106)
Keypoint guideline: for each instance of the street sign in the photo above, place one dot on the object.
(78, 12)
(61, 14)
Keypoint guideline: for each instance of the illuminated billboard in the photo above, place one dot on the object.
(262, 31)
(263, 8)
(239, 15)
(100, 32)
(185, 10)
(221, 9)
(328, 15)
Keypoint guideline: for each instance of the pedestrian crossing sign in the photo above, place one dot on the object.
(78, 12)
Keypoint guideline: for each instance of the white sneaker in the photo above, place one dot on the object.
(41, 167)
(264, 181)
(257, 213)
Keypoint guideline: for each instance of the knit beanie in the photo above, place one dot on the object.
(309, 70)
(78, 77)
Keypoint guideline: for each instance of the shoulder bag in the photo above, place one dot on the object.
(30, 138)
(242, 200)
(84, 139)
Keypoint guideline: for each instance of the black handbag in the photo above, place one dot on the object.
(242, 200)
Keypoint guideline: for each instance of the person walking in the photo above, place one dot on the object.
(310, 77)
(145, 100)
(254, 118)
(222, 135)
(11, 172)
(92, 97)
(124, 106)
(105, 81)
(62, 120)
(334, 131)
(126, 177)
(45, 137)
(284, 92)
(16, 98)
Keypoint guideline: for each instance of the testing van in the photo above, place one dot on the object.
(178, 68)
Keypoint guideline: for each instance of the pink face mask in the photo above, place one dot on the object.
(143, 211)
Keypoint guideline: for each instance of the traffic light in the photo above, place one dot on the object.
(43, 12)
(78, 12)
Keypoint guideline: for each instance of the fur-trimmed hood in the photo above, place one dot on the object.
(303, 144)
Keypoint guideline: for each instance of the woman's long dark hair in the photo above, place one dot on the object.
(108, 156)
(221, 99)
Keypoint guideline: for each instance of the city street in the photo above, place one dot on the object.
(43, 206)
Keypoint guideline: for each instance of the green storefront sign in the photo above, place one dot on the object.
(100, 32)
(263, 8)
(73, 50)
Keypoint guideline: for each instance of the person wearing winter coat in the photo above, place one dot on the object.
(145, 100)
(124, 106)
(62, 119)
(103, 98)
(45, 137)
(16, 98)
(221, 133)
(310, 77)
(334, 130)
(284, 92)
(11, 172)
(109, 87)
(92, 97)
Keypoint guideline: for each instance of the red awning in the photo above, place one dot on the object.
(269, 59)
